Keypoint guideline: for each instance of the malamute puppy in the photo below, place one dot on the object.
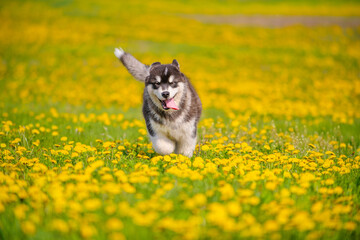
(171, 107)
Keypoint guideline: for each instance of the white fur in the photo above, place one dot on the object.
(187, 144)
(171, 78)
(137, 69)
(172, 91)
(166, 71)
(154, 96)
(119, 52)
(174, 136)
(162, 144)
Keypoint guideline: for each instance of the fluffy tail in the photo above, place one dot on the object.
(139, 70)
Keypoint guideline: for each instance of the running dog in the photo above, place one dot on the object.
(171, 106)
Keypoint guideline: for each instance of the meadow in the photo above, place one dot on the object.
(278, 152)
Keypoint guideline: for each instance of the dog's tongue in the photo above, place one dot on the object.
(171, 104)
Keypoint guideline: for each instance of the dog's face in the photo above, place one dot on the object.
(165, 85)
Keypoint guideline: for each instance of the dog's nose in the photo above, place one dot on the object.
(165, 94)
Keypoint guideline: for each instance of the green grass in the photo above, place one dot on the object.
(278, 143)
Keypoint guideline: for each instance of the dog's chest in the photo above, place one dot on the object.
(176, 129)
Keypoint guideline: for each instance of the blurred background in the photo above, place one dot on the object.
(271, 58)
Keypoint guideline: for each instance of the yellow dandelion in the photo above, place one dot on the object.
(116, 236)
(267, 147)
(87, 230)
(351, 226)
(271, 226)
(205, 148)
(233, 208)
(114, 224)
(198, 162)
(92, 204)
(16, 140)
(317, 207)
(227, 192)
(312, 146)
(271, 186)
(329, 181)
(35, 131)
(28, 228)
(290, 147)
(142, 131)
(60, 226)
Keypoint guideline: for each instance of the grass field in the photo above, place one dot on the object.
(279, 139)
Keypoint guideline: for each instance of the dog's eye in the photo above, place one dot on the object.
(157, 84)
(173, 84)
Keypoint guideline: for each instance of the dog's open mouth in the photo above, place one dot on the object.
(169, 104)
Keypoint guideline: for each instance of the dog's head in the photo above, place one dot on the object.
(165, 85)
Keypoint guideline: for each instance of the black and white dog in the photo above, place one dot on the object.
(171, 107)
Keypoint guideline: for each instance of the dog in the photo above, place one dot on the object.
(171, 106)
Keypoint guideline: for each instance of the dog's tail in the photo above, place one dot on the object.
(139, 70)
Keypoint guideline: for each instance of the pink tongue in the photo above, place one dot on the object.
(171, 104)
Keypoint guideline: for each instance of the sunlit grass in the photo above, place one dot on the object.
(278, 150)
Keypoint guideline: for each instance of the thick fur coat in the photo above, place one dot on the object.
(171, 106)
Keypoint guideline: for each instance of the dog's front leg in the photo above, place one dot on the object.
(162, 145)
(186, 146)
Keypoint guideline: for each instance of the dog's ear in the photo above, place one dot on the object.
(153, 65)
(176, 64)
(182, 76)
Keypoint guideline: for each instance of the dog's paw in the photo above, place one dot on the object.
(119, 52)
